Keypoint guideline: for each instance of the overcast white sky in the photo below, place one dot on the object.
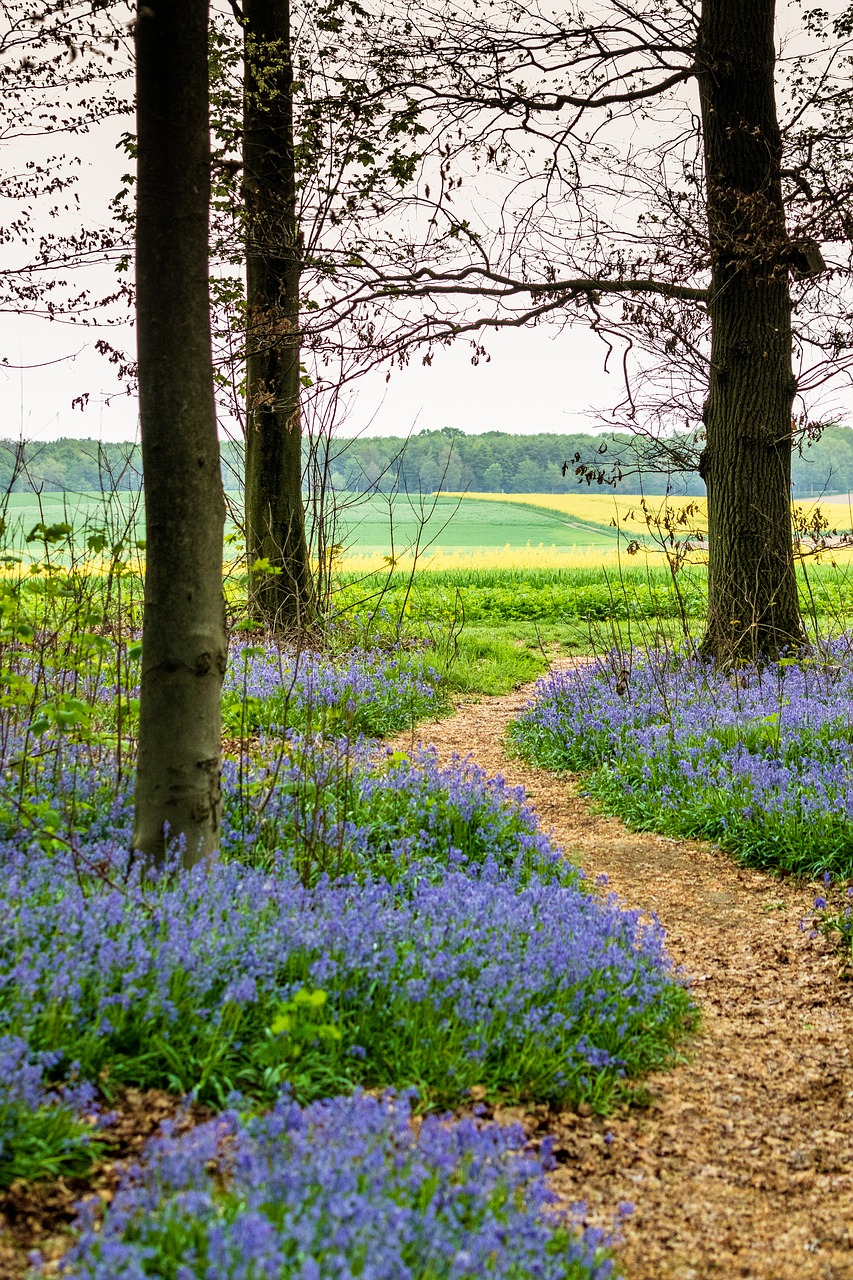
(537, 380)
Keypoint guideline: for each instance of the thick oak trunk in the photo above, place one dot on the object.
(281, 595)
(184, 637)
(752, 592)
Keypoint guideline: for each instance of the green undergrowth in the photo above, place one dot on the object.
(49, 1141)
(480, 596)
(559, 596)
(489, 663)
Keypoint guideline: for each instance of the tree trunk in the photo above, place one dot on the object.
(184, 639)
(752, 591)
(281, 588)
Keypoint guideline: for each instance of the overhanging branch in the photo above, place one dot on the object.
(478, 282)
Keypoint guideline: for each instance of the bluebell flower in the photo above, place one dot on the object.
(762, 762)
(344, 1187)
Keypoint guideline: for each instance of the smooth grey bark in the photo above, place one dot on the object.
(282, 596)
(752, 591)
(184, 639)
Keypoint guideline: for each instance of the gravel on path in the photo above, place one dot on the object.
(742, 1164)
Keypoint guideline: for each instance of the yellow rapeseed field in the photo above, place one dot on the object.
(529, 557)
(627, 512)
(607, 508)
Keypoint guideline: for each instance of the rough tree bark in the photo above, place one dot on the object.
(281, 596)
(746, 465)
(184, 636)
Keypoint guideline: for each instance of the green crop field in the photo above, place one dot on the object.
(23, 511)
(441, 534)
(364, 524)
(374, 524)
(55, 506)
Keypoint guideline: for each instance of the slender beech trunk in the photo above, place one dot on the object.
(183, 638)
(752, 592)
(282, 595)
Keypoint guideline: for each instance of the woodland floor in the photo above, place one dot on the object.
(742, 1164)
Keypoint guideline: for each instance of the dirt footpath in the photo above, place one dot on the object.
(742, 1166)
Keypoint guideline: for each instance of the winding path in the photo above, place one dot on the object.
(742, 1165)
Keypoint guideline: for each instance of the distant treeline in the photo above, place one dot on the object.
(84, 466)
(493, 462)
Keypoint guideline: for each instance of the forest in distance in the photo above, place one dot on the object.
(446, 459)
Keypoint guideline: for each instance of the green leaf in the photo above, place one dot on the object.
(42, 532)
(263, 565)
